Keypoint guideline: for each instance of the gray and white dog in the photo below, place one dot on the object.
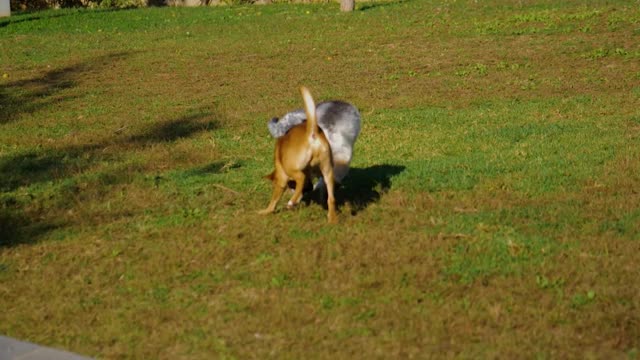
(340, 122)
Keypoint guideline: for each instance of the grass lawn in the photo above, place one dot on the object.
(492, 211)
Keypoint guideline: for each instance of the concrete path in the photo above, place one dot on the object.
(12, 349)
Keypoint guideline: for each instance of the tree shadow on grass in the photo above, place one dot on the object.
(43, 12)
(58, 163)
(17, 226)
(217, 167)
(26, 17)
(373, 5)
(172, 130)
(30, 95)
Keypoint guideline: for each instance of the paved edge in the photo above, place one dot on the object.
(12, 349)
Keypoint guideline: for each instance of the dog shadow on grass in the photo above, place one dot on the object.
(362, 187)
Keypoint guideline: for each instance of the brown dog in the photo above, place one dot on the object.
(300, 154)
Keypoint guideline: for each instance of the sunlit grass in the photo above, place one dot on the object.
(491, 211)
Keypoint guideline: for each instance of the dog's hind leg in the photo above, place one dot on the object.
(327, 175)
(278, 190)
(340, 170)
(300, 179)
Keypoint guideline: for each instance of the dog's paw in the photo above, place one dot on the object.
(291, 205)
(332, 218)
(265, 211)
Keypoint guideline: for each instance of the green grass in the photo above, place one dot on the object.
(492, 209)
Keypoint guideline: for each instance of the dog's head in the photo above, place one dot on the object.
(277, 128)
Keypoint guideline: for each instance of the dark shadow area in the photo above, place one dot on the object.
(31, 5)
(55, 164)
(364, 186)
(213, 168)
(373, 5)
(23, 18)
(27, 96)
(65, 163)
(179, 2)
(157, 3)
(37, 14)
(21, 7)
(217, 167)
(37, 166)
(18, 229)
(173, 130)
(361, 187)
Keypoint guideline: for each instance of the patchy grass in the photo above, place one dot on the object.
(492, 211)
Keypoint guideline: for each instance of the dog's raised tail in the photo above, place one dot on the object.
(310, 109)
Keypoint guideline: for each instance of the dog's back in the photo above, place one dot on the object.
(339, 118)
(336, 117)
(339, 121)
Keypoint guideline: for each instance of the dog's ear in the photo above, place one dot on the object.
(271, 176)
